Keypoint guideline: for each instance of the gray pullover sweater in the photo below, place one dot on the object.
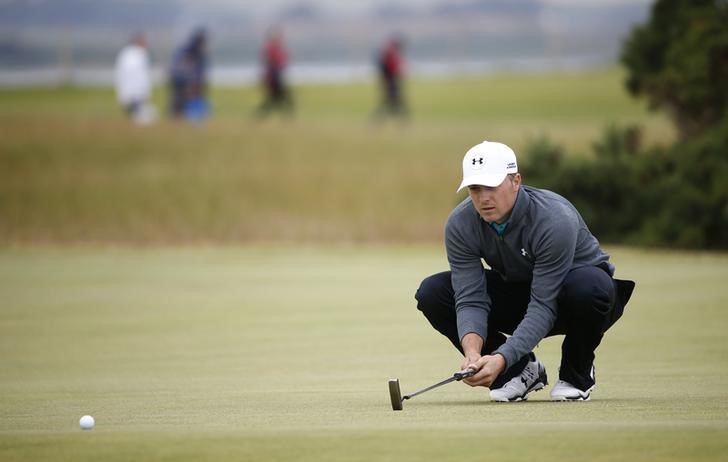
(545, 238)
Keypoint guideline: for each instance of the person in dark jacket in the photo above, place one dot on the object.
(188, 78)
(547, 275)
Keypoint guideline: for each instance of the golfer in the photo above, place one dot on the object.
(546, 276)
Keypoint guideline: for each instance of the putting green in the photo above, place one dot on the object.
(283, 353)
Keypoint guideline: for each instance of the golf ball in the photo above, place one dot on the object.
(87, 422)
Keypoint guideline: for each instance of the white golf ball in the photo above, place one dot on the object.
(87, 422)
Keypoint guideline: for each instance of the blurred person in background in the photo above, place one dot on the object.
(188, 79)
(133, 80)
(274, 57)
(390, 67)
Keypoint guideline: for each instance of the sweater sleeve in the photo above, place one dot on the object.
(554, 244)
(472, 303)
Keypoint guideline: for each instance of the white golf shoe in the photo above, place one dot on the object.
(533, 378)
(564, 391)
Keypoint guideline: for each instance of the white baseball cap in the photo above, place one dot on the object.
(488, 164)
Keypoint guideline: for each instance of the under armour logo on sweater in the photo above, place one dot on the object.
(524, 253)
(479, 160)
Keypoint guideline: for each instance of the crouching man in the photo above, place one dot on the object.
(547, 276)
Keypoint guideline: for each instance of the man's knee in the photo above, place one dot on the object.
(434, 292)
(588, 292)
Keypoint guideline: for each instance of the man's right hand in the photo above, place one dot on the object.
(469, 360)
(472, 344)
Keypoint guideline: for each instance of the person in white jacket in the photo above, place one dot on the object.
(134, 82)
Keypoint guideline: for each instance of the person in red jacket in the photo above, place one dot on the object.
(275, 60)
(390, 64)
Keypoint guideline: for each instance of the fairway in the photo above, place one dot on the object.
(73, 170)
(277, 352)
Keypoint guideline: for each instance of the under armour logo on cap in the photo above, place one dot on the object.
(479, 160)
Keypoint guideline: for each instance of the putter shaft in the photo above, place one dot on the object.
(455, 377)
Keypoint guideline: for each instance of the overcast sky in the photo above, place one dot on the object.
(368, 4)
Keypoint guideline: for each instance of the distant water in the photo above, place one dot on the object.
(307, 73)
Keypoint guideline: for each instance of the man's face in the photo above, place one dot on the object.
(494, 203)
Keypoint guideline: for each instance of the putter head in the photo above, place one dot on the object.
(395, 395)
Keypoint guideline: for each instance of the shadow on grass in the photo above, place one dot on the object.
(504, 404)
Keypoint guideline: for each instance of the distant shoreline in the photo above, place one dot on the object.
(309, 73)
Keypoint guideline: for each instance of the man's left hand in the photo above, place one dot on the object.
(489, 368)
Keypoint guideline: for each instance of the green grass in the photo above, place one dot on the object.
(283, 353)
(280, 349)
(72, 169)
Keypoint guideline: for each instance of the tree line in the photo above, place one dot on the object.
(673, 196)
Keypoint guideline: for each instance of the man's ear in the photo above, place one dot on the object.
(517, 180)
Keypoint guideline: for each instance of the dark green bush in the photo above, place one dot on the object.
(676, 196)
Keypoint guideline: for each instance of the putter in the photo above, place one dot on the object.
(396, 395)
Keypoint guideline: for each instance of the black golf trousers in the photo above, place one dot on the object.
(589, 302)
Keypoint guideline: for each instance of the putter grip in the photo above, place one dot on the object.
(464, 374)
